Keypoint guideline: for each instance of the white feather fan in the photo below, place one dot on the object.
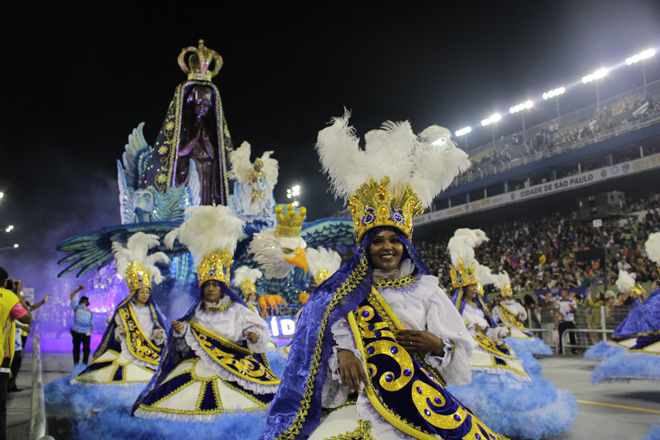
(462, 244)
(322, 258)
(653, 247)
(625, 282)
(245, 273)
(428, 162)
(137, 248)
(208, 229)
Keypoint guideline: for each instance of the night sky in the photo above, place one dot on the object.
(76, 81)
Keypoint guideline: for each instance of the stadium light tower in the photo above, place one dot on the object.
(555, 94)
(598, 74)
(520, 109)
(464, 132)
(641, 57)
(496, 117)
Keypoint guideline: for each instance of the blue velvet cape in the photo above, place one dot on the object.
(170, 357)
(108, 341)
(296, 408)
(642, 320)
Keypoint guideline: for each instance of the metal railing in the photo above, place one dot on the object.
(38, 421)
(567, 332)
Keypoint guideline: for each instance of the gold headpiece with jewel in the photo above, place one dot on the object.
(506, 290)
(290, 223)
(215, 266)
(200, 62)
(375, 205)
(248, 287)
(137, 276)
(463, 276)
(637, 291)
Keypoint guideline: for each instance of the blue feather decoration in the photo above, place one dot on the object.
(602, 351)
(627, 366)
(533, 346)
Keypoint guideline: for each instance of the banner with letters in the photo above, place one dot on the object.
(543, 189)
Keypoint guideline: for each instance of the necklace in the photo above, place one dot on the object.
(218, 309)
(396, 283)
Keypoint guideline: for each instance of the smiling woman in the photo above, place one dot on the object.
(378, 341)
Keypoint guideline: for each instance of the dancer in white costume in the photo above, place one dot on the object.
(511, 314)
(214, 363)
(380, 326)
(131, 346)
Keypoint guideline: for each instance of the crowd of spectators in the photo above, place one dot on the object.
(540, 254)
(551, 136)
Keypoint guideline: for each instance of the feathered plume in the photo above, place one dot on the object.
(241, 167)
(462, 244)
(485, 276)
(502, 280)
(137, 248)
(323, 258)
(625, 282)
(428, 162)
(240, 163)
(653, 247)
(208, 229)
(245, 273)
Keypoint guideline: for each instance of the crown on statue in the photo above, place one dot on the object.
(137, 276)
(215, 266)
(375, 205)
(248, 287)
(463, 276)
(290, 223)
(200, 62)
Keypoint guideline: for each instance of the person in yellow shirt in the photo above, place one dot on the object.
(12, 308)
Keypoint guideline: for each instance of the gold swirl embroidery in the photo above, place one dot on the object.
(365, 314)
(395, 283)
(219, 309)
(355, 278)
(400, 355)
(248, 367)
(139, 346)
(490, 346)
(426, 399)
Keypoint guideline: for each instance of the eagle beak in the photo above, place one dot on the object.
(299, 259)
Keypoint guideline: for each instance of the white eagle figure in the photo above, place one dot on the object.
(278, 250)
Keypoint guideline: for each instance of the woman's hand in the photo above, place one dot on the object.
(478, 328)
(122, 331)
(178, 326)
(158, 334)
(351, 371)
(421, 340)
(252, 337)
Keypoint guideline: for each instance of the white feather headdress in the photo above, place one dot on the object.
(652, 246)
(625, 282)
(322, 258)
(245, 273)
(209, 229)
(428, 162)
(461, 245)
(136, 251)
(485, 276)
(502, 281)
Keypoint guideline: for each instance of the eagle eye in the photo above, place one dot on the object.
(287, 250)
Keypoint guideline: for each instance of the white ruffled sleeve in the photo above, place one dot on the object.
(343, 338)
(444, 321)
(255, 323)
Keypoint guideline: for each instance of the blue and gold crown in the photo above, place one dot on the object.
(137, 276)
(290, 223)
(215, 266)
(199, 62)
(375, 205)
(462, 276)
(637, 291)
(506, 290)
